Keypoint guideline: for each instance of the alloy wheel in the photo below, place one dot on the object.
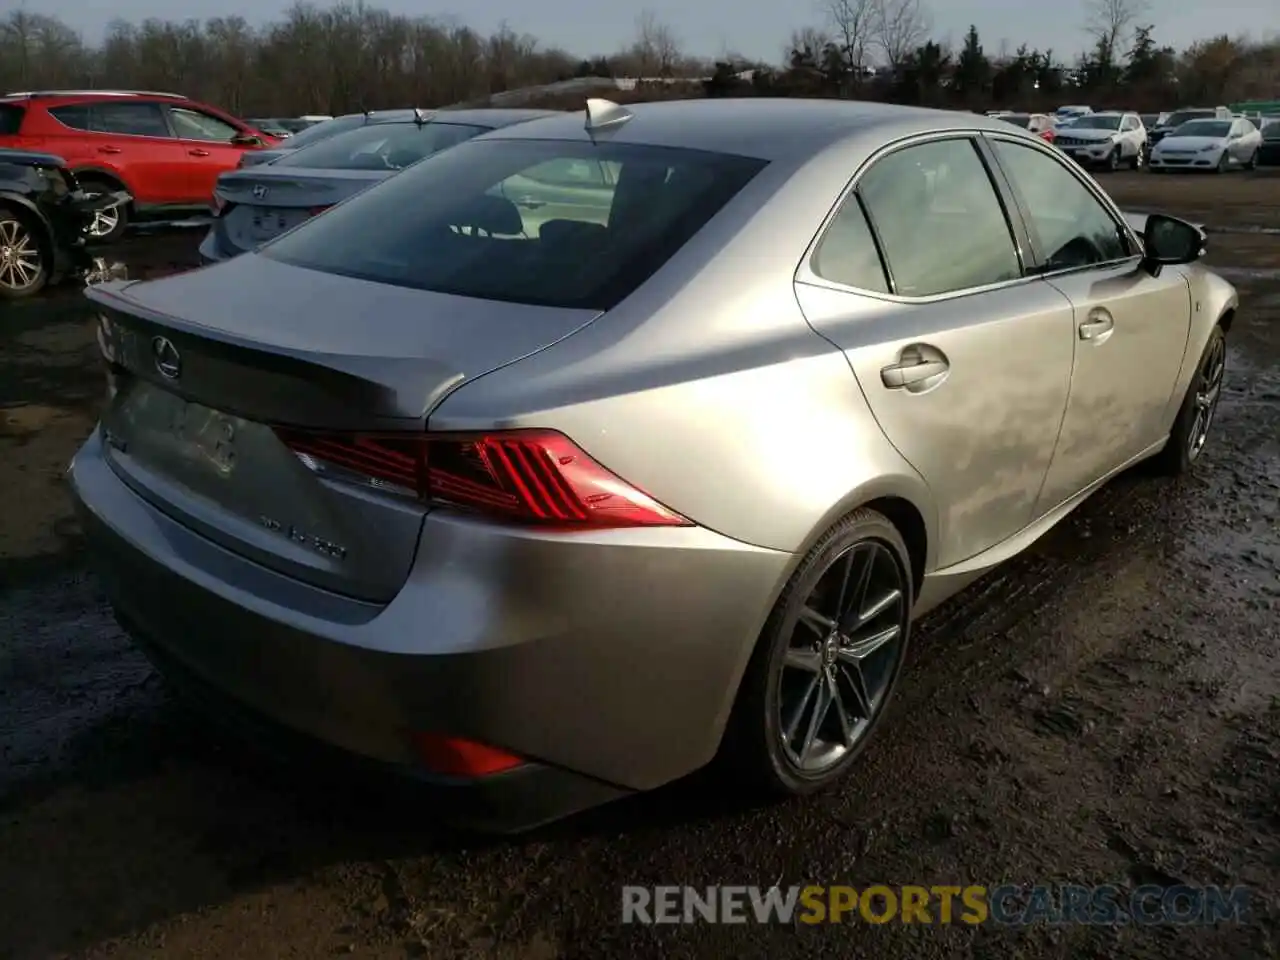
(843, 651)
(21, 260)
(1208, 391)
(104, 222)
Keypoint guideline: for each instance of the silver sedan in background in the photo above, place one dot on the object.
(252, 206)
(602, 445)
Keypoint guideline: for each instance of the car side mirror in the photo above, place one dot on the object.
(1168, 241)
(247, 140)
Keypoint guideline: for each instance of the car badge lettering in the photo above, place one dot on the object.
(167, 359)
(259, 192)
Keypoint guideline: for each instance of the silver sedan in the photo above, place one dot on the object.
(592, 449)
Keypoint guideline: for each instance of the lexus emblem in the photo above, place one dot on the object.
(168, 360)
(259, 192)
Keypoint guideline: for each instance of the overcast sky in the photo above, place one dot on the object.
(754, 28)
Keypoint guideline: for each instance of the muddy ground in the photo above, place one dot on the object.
(1105, 709)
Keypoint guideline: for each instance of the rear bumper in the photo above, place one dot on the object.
(611, 660)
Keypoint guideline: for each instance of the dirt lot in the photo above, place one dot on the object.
(1106, 709)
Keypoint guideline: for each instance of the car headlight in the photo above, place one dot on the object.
(1210, 149)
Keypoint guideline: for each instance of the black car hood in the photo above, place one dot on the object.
(29, 158)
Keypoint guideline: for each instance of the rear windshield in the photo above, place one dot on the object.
(1022, 120)
(10, 119)
(1204, 128)
(315, 132)
(1096, 122)
(380, 146)
(1271, 129)
(553, 223)
(1180, 117)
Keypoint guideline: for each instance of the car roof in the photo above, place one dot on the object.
(767, 128)
(481, 116)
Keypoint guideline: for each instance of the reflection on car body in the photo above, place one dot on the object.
(645, 434)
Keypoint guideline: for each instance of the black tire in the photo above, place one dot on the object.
(22, 233)
(1253, 161)
(1136, 163)
(1113, 160)
(1188, 436)
(754, 748)
(96, 185)
(1224, 162)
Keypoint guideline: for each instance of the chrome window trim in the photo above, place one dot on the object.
(105, 133)
(805, 273)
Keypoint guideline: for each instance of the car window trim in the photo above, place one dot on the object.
(1017, 229)
(89, 108)
(1108, 205)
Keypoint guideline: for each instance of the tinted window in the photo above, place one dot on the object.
(75, 117)
(471, 221)
(1271, 130)
(380, 146)
(314, 133)
(1204, 128)
(1095, 123)
(135, 119)
(1018, 119)
(1182, 116)
(940, 222)
(10, 119)
(1150, 119)
(195, 125)
(1071, 227)
(847, 251)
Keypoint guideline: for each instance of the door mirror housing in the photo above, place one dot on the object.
(1168, 241)
(247, 140)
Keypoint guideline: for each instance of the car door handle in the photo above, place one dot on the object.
(915, 367)
(1098, 324)
(109, 150)
(198, 153)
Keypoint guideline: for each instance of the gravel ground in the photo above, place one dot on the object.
(1105, 709)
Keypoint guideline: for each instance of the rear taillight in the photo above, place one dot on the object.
(530, 476)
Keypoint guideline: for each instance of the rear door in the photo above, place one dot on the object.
(130, 137)
(1130, 328)
(207, 150)
(577, 190)
(965, 363)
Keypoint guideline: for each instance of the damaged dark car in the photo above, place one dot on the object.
(43, 219)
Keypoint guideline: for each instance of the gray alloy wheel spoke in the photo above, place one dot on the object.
(855, 597)
(817, 714)
(855, 651)
(842, 715)
(810, 661)
(846, 570)
(858, 684)
(869, 613)
(20, 261)
(797, 714)
(816, 621)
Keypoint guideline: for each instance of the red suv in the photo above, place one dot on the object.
(164, 149)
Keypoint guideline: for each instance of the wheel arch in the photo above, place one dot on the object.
(111, 177)
(21, 206)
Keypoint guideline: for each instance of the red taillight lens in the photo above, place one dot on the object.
(1047, 135)
(532, 476)
(456, 757)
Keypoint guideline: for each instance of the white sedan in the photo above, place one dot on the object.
(1208, 145)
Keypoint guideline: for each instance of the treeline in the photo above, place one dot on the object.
(352, 57)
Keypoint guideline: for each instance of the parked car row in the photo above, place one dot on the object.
(1210, 139)
(449, 511)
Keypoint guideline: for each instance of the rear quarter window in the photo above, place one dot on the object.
(542, 222)
(10, 119)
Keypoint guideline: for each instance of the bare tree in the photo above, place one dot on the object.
(898, 27)
(852, 23)
(1109, 22)
(656, 49)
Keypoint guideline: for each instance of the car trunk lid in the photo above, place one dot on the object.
(207, 363)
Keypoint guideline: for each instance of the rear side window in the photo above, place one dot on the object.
(940, 221)
(847, 252)
(483, 220)
(380, 146)
(133, 119)
(10, 119)
(75, 116)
